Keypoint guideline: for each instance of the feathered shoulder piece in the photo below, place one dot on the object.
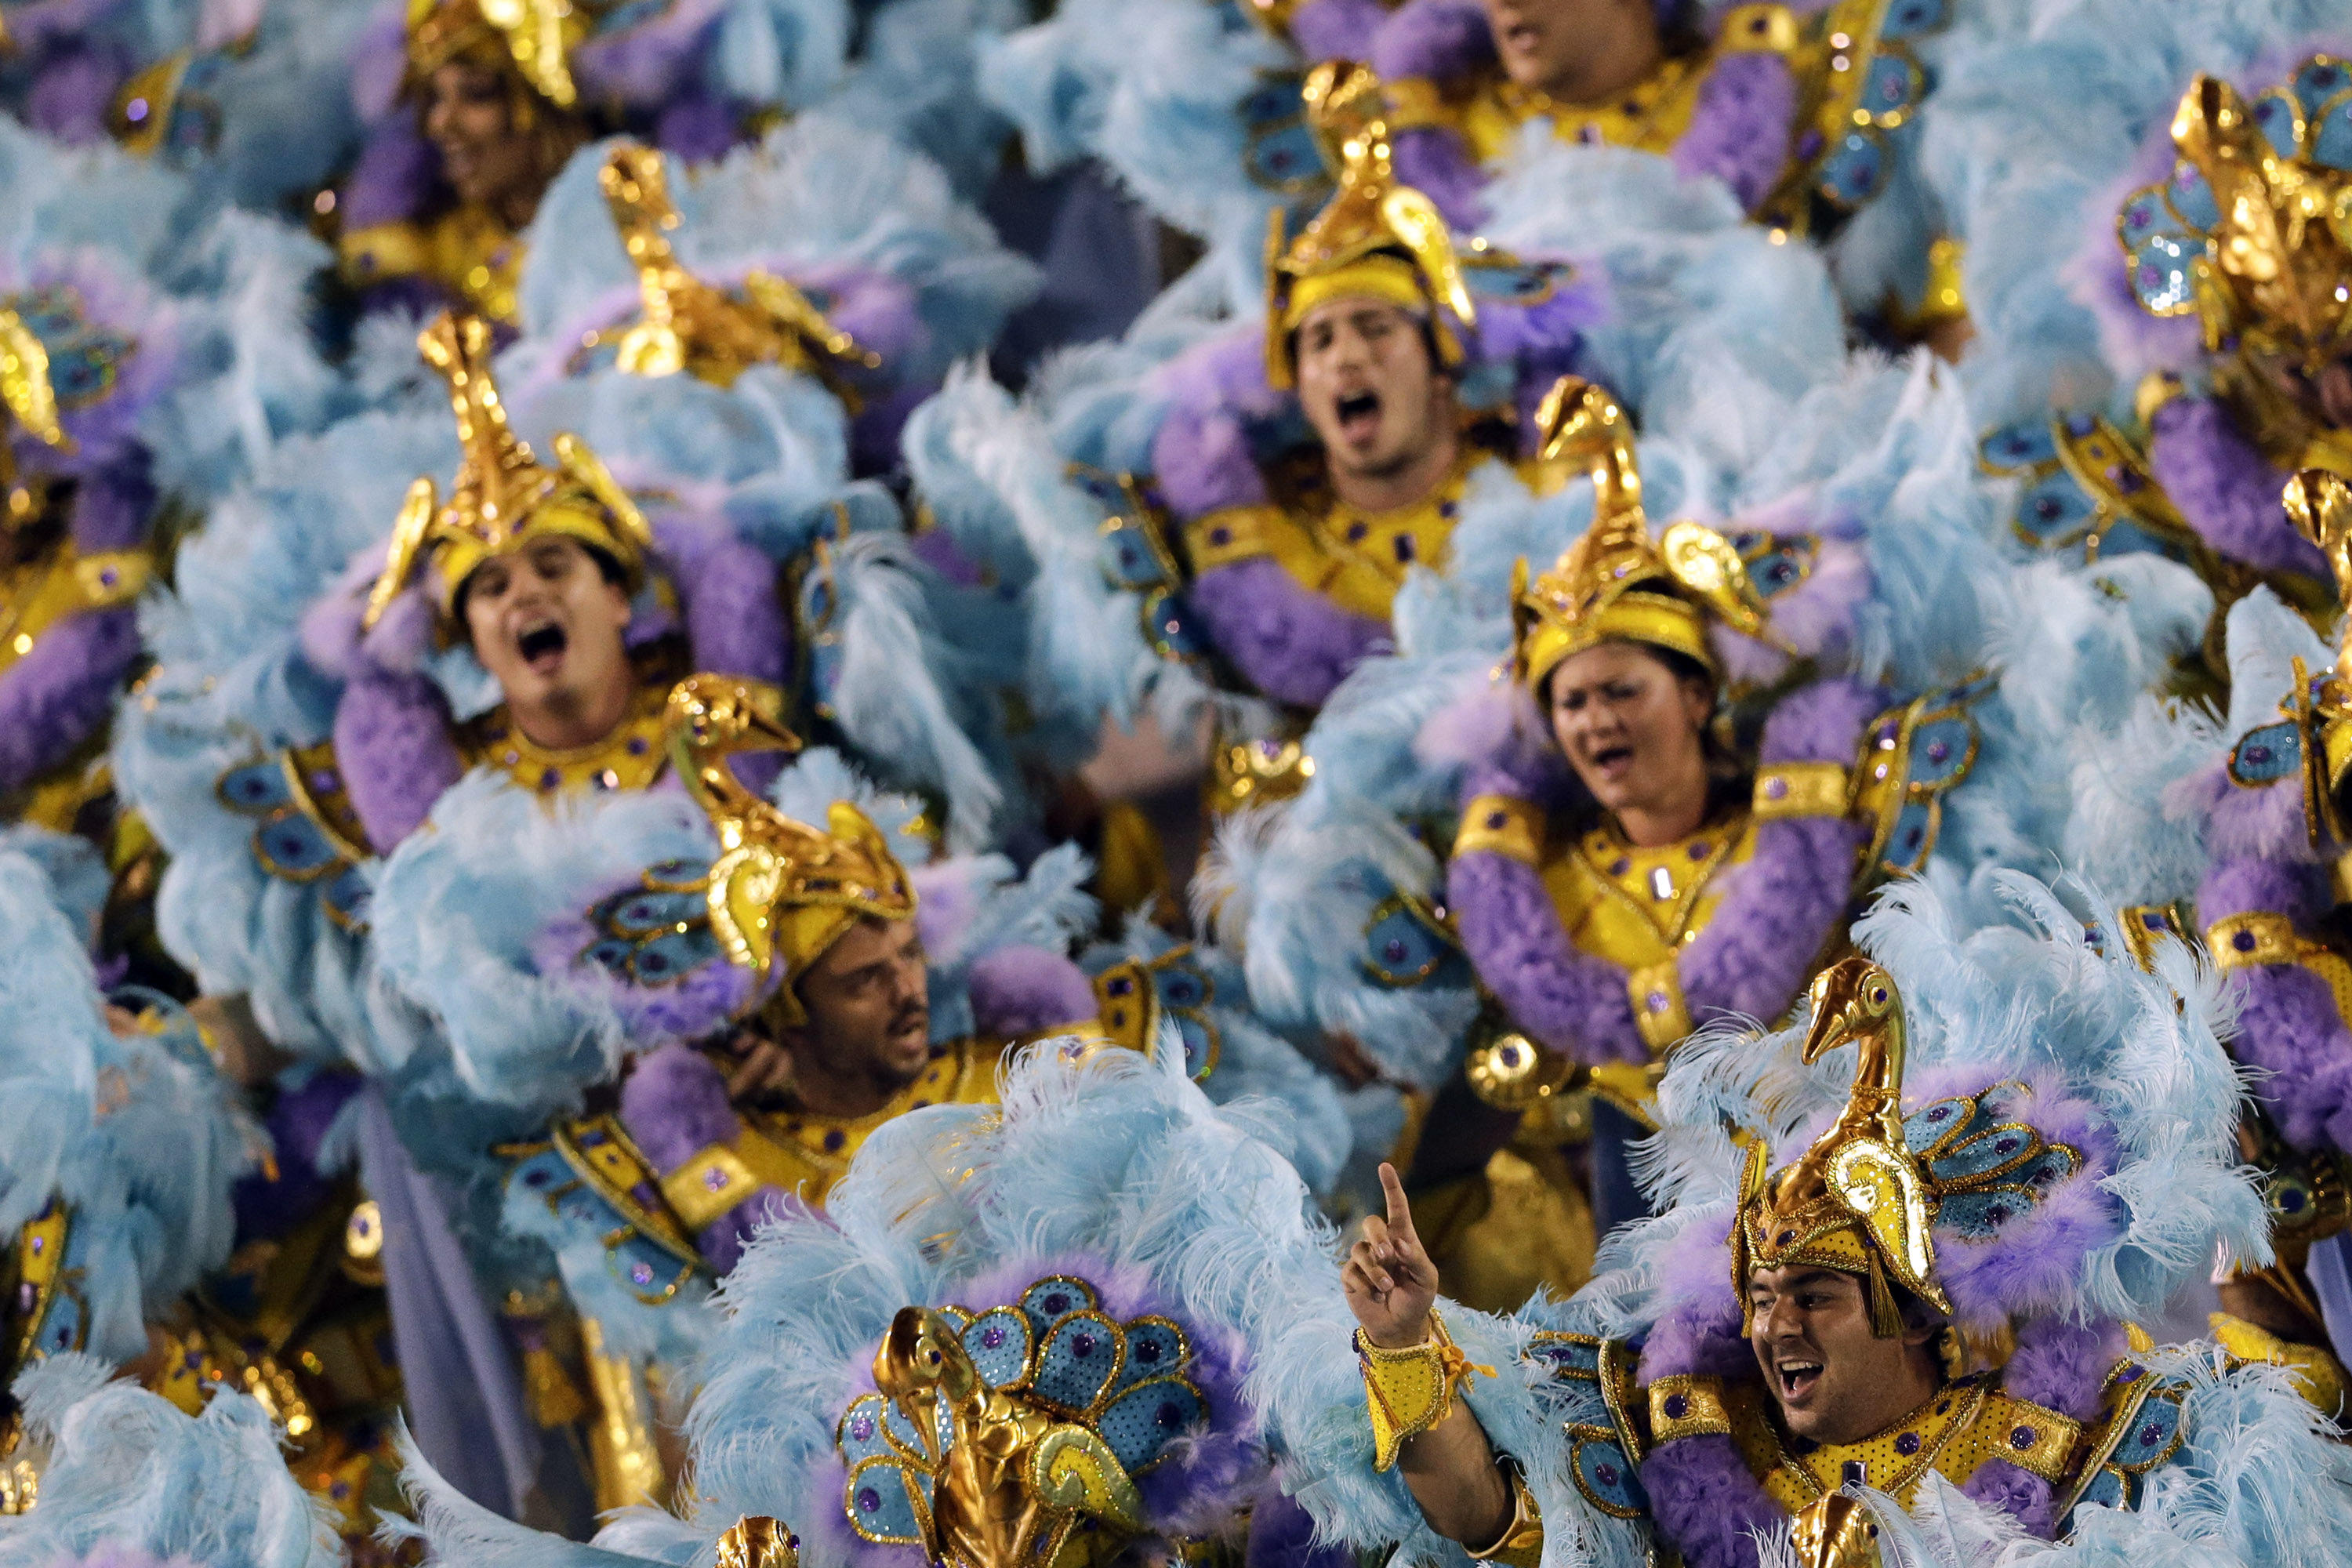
(1064, 1285)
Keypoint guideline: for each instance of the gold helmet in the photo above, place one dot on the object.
(1376, 236)
(1616, 582)
(503, 497)
(687, 324)
(780, 892)
(1857, 1201)
(530, 40)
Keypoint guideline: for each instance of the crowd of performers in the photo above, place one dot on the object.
(1274, 783)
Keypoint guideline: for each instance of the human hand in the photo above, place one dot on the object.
(1390, 1282)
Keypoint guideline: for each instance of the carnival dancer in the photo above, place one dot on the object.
(670, 1018)
(1931, 1307)
(751, 340)
(140, 1411)
(1063, 1282)
(2139, 397)
(1804, 115)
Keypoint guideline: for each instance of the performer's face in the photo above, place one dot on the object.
(1374, 396)
(1631, 726)
(1539, 42)
(868, 1005)
(1835, 1380)
(547, 624)
(470, 119)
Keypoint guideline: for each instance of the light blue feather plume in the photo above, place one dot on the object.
(129, 1472)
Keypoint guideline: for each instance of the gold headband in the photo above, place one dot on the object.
(503, 497)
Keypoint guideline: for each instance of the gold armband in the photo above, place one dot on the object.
(1686, 1404)
(1521, 1543)
(712, 1181)
(1502, 825)
(2318, 1376)
(1659, 1011)
(2257, 936)
(1411, 1390)
(1802, 789)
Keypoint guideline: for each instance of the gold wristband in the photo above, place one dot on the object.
(1410, 1391)
(1802, 789)
(1521, 1543)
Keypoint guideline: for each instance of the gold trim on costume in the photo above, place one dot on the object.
(1502, 825)
(1802, 789)
(1660, 1010)
(1521, 1543)
(712, 1181)
(1687, 1404)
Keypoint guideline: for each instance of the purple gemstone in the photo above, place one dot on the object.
(550, 779)
(340, 1490)
(868, 1501)
(1147, 1351)
(1676, 1407)
(1058, 1302)
(1699, 851)
(2006, 1146)
(1606, 1474)
(833, 1139)
(2149, 1435)
(324, 781)
(2021, 1438)
(1120, 987)
(1404, 547)
(1941, 1113)
(637, 745)
(2129, 1374)
(1907, 1443)
(1939, 751)
(1619, 866)
(1510, 1055)
(1082, 1345)
(1659, 1001)
(108, 577)
(714, 1178)
(861, 1427)
(641, 1273)
(1169, 1414)
(1812, 142)
(2152, 921)
(2243, 942)
(1784, 1238)
(1394, 949)
(1775, 789)
(2258, 754)
(534, 1178)
(194, 1360)
(1356, 532)
(991, 1336)
(1494, 819)
(1997, 1213)
(1220, 536)
(40, 1244)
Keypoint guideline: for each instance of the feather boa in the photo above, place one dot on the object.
(2226, 489)
(1778, 911)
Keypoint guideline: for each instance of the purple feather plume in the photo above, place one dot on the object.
(394, 748)
(1291, 643)
(1740, 129)
(2289, 1026)
(1707, 1503)
(1335, 29)
(1018, 991)
(57, 697)
(1202, 454)
(73, 96)
(1435, 40)
(2226, 489)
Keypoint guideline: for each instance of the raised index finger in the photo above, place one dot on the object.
(1399, 1211)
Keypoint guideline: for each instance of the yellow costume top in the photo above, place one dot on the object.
(1651, 116)
(802, 1152)
(465, 252)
